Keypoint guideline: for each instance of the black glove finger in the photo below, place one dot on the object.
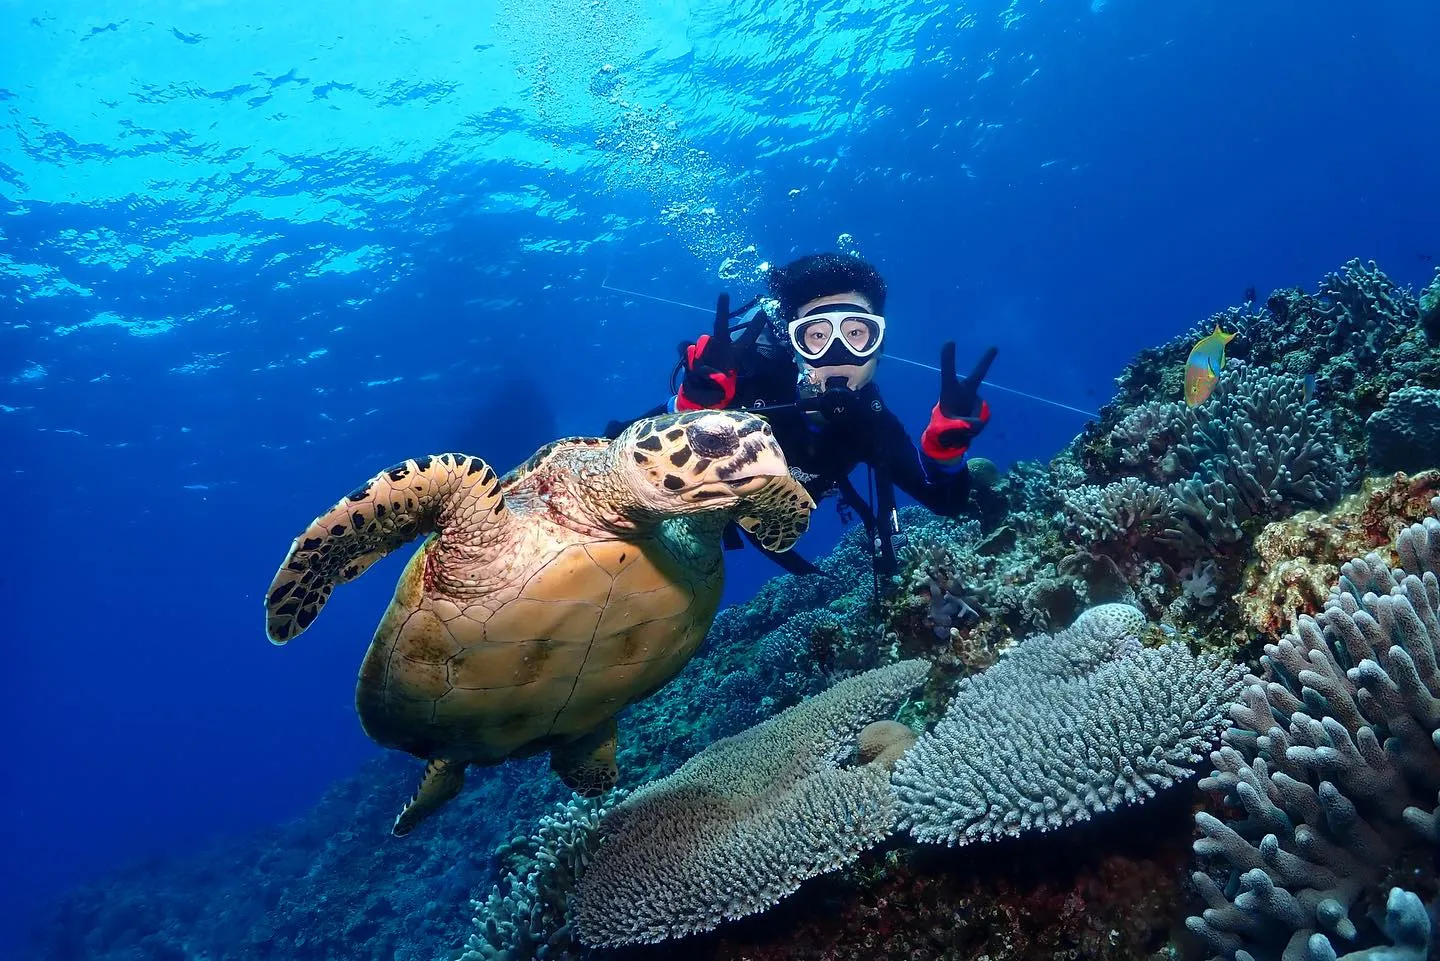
(722, 318)
(947, 365)
(717, 350)
(977, 376)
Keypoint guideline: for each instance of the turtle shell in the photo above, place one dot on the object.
(589, 626)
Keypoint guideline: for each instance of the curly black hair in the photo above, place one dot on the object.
(819, 275)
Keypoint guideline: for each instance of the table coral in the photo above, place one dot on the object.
(739, 826)
(1062, 728)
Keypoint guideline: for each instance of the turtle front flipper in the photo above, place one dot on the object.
(444, 491)
(778, 513)
(441, 782)
(586, 765)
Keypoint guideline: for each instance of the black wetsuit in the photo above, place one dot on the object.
(822, 453)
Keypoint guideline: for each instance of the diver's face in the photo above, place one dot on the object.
(815, 375)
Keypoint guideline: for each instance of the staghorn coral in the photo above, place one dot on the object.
(1335, 761)
(526, 914)
(1062, 727)
(740, 825)
(1114, 518)
(1146, 434)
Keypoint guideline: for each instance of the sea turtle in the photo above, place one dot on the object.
(542, 603)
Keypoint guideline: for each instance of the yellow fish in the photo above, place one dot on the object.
(1202, 367)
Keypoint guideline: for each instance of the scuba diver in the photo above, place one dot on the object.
(809, 372)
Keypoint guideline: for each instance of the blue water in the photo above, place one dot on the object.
(252, 253)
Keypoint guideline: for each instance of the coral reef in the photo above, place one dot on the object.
(1430, 310)
(1257, 450)
(1215, 522)
(744, 822)
(1063, 727)
(1404, 435)
(1359, 336)
(1294, 561)
(1103, 891)
(1335, 761)
(526, 914)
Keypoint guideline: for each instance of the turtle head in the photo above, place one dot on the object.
(715, 460)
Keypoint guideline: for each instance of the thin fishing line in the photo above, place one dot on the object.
(663, 300)
(904, 360)
(1008, 390)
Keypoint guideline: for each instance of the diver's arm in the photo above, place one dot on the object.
(617, 427)
(941, 486)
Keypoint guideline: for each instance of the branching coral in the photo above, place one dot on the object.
(1116, 517)
(526, 914)
(1063, 727)
(1261, 434)
(1258, 449)
(1145, 435)
(1335, 760)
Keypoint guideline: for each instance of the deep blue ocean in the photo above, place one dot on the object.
(252, 253)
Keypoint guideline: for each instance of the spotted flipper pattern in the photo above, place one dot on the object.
(409, 500)
(441, 781)
(778, 514)
(587, 765)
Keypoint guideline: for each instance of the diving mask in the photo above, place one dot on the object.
(859, 334)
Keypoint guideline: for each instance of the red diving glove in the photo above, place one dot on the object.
(709, 366)
(961, 413)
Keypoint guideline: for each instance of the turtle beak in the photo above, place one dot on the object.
(731, 489)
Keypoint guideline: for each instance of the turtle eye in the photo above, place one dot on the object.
(713, 437)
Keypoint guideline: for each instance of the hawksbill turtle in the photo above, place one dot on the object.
(542, 603)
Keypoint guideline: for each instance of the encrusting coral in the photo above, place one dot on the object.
(1294, 561)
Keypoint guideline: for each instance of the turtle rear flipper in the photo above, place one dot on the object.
(586, 765)
(778, 513)
(441, 781)
(450, 492)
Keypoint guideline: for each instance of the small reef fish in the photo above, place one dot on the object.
(1202, 367)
